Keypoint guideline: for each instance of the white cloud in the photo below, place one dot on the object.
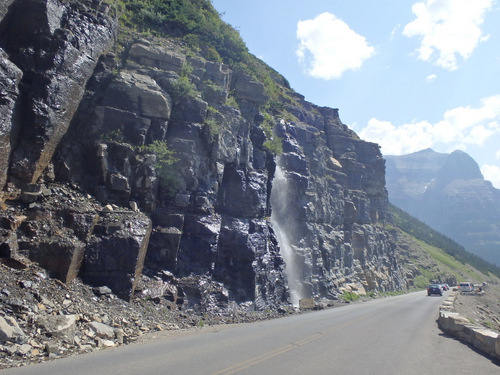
(395, 31)
(398, 140)
(459, 127)
(491, 173)
(329, 47)
(448, 29)
(430, 78)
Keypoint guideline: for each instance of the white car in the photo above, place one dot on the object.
(466, 287)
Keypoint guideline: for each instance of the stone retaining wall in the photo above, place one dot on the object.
(453, 323)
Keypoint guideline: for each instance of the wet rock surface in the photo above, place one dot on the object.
(331, 207)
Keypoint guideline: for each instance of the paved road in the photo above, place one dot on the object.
(396, 335)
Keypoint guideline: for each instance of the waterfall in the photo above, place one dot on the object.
(282, 221)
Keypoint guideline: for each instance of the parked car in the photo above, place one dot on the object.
(466, 287)
(435, 289)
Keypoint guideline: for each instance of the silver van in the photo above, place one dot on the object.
(466, 287)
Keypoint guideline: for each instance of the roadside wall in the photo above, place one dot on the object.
(453, 323)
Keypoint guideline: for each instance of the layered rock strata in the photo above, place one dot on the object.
(80, 125)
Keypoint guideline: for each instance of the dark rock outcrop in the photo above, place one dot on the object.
(9, 91)
(56, 46)
(115, 252)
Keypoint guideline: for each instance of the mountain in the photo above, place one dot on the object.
(142, 148)
(449, 193)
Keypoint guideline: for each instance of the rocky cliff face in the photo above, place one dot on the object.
(449, 193)
(334, 202)
(85, 193)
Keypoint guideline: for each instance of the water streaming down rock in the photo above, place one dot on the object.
(283, 223)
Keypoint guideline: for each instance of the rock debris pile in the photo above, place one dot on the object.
(43, 319)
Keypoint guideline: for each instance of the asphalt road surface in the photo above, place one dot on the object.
(397, 335)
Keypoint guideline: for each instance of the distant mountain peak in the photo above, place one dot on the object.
(448, 192)
(426, 151)
(459, 166)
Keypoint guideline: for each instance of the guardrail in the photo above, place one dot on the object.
(451, 322)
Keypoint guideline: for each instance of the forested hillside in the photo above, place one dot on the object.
(424, 233)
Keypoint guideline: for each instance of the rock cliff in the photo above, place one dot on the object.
(128, 162)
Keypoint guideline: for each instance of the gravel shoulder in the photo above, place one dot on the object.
(481, 308)
(43, 319)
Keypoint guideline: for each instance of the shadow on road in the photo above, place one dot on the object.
(492, 360)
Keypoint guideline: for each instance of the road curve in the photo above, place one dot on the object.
(397, 335)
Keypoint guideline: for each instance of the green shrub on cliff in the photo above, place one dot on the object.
(274, 146)
(273, 143)
(165, 160)
(211, 123)
(200, 27)
(182, 87)
(195, 20)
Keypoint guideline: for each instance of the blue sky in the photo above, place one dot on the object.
(405, 74)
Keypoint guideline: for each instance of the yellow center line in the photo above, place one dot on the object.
(284, 349)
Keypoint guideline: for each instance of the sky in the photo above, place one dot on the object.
(406, 74)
